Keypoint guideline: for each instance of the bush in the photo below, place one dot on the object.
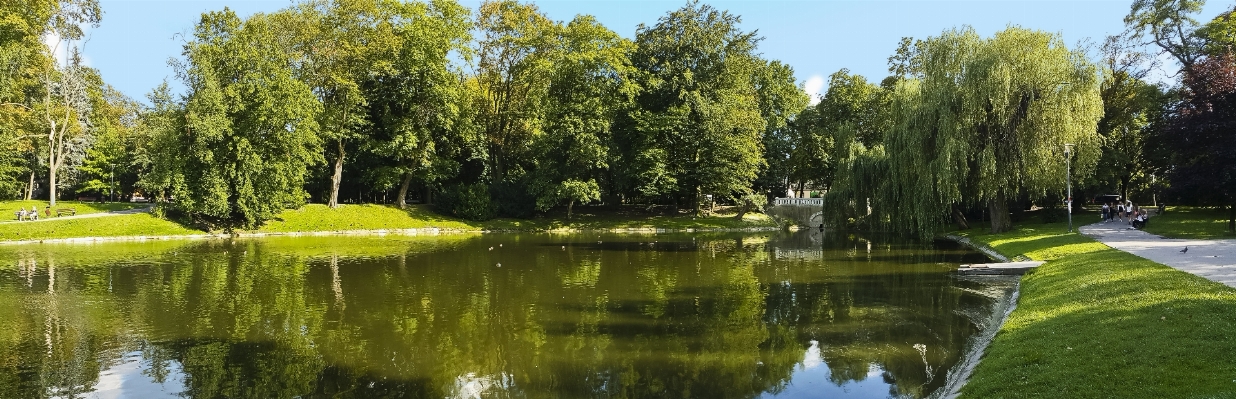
(513, 198)
(467, 201)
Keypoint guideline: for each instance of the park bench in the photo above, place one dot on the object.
(63, 211)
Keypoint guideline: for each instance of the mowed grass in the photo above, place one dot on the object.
(1190, 222)
(1094, 322)
(83, 208)
(316, 217)
(139, 224)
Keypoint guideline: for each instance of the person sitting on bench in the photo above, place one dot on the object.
(1139, 222)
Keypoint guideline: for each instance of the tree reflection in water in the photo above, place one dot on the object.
(716, 316)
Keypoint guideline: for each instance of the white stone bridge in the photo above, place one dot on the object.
(807, 212)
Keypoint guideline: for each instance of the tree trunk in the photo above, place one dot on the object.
(30, 187)
(960, 219)
(336, 178)
(569, 206)
(51, 186)
(999, 209)
(1231, 218)
(403, 191)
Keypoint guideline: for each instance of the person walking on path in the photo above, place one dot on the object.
(1212, 259)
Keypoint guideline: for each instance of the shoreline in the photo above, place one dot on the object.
(426, 231)
(957, 376)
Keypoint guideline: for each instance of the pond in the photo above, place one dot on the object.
(793, 315)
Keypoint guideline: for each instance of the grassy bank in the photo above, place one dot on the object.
(1190, 222)
(1094, 322)
(83, 208)
(319, 218)
(140, 224)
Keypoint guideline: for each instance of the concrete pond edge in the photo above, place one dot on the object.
(960, 373)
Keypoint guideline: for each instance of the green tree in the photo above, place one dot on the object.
(249, 133)
(781, 101)
(697, 128)
(985, 121)
(512, 73)
(417, 106)
(1130, 107)
(589, 85)
(1169, 25)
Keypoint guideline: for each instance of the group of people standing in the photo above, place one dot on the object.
(1126, 212)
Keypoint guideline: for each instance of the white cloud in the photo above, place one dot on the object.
(813, 86)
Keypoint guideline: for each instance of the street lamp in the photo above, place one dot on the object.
(1068, 179)
(111, 183)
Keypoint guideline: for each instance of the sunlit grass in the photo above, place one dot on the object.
(1190, 222)
(141, 224)
(316, 217)
(83, 208)
(1095, 322)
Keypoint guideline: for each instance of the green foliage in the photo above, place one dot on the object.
(853, 112)
(698, 127)
(589, 86)
(1169, 25)
(466, 201)
(1219, 35)
(981, 122)
(1095, 311)
(249, 133)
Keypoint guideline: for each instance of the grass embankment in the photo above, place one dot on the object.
(83, 208)
(1190, 222)
(141, 224)
(319, 218)
(1095, 322)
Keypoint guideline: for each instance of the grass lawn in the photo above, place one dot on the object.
(140, 224)
(1190, 222)
(1094, 322)
(81, 207)
(317, 217)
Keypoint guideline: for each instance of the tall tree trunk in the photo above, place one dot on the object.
(30, 187)
(336, 178)
(999, 209)
(51, 186)
(1231, 217)
(403, 191)
(570, 205)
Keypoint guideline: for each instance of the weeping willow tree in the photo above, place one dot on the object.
(978, 122)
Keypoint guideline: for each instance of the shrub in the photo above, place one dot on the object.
(467, 201)
(513, 198)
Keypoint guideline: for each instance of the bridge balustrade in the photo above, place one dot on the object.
(799, 201)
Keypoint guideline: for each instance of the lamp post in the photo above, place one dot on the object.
(1068, 179)
(111, 183)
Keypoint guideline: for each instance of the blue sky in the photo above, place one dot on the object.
(815, 37)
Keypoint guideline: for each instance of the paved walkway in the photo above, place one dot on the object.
(1212, 259)
(83, 216)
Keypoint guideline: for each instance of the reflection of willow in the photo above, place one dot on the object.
(870, 315)
(263, 319)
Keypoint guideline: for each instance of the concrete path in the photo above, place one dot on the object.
(83, 216)
(1212, 259)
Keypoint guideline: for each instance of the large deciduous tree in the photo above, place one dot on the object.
(249, 130)
(416, 106)
(1201, 135)
(589, 85)
(698, 127)
(1169, 25)
(984, 121)
(514, 63)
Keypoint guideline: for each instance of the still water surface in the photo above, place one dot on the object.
(479, 316)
